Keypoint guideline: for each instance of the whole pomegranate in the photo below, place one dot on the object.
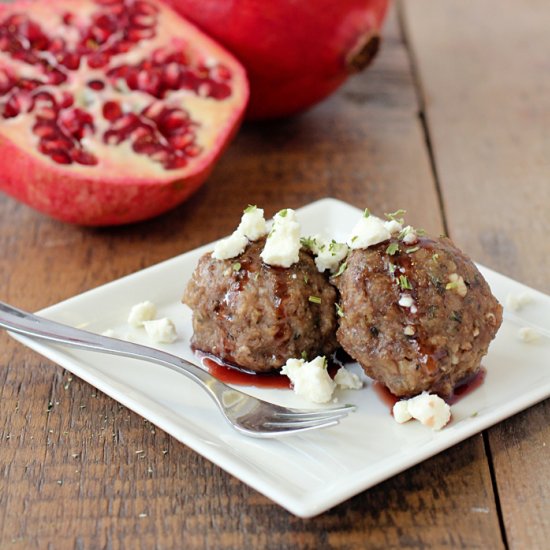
(296, 52)
(111, 111)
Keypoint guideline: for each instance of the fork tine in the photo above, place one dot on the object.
(317, 413)
(305, 423)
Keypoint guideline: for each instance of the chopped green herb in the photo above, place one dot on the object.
(354, 238)
(325, 363)
(283, 213)
(249, 208)
(392, 268)
(341, 269)
(404, 283)
(420, 232)
(236, 266)
(306, 279)
(339, 310)
(411, 250)
(304, 355)
(396, 216)
(435, 257)
(256, 275)
(392, 249)
(308, 242)
(366, 213)
(315, 299)
(452, 285)
(474, 414)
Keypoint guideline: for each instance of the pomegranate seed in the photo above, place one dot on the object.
(67, 100)
(171, 75)
(68, 18)
(181, 141)
(71, 60)
(51, 145)
(125, 123)
(219, 90)
(98, 60)
(173, 119)
(46, 129)
(111, 137)
(193, 150)
(96, 84)
(146, 146)
(175, 162)
(220, 72)
(6, 82)
(57, 45)
(99, 34)
(145, 8)
(135, 34)
(11, 108)
(154, 110)
(142, 131)
(161, 155)
(84, 157)
(56, 77)
(142, 21)
(111, 110)
(148, 82)
(61, 157)
(28, 84)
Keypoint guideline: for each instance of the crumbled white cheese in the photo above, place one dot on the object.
(401, 412)
(456, 283)
(144, 311)
(162, 330)
(409, 330)
(515, 302)
(528, 335)
(230, 246)
(393, 226)
(406, 300)
(328, 253)
(409, 235)
(368, 231)
(310, 379)
(347, 380)
(252, 224)
(282, 246)
(428, 408)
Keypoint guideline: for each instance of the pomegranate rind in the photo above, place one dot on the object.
(295, 53)
(112, 193)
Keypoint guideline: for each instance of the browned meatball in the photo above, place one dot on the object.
(257, 316)
(419, 319)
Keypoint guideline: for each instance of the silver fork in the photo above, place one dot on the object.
(248, 415)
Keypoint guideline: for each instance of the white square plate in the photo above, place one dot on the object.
(311, 473)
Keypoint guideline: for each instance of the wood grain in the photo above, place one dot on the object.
(80, 471)
(483, 71)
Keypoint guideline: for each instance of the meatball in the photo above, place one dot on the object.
(417, 318)
(257, 316)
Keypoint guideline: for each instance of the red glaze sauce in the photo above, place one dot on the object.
(462, 389)
(233, 374)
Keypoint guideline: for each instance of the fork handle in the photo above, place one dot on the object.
(28, 324)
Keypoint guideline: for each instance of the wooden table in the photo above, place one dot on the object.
(452, 123)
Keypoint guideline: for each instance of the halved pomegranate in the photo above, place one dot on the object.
(295, 52)
(111, 111)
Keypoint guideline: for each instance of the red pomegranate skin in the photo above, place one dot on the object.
(124, 182)
(296, 53)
